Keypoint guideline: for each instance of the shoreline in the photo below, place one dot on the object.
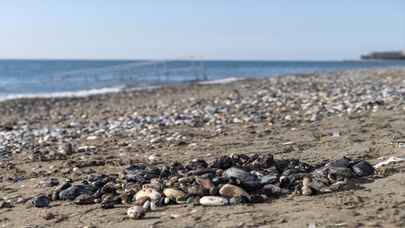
(125, 88)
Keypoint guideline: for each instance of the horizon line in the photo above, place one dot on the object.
(177, 59)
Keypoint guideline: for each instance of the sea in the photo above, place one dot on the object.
(58, 78)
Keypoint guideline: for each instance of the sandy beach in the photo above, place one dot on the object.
(313, 118)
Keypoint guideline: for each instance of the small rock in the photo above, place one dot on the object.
(205, 183)
(84, 199)
(213, 201)
(230, 191)
(306, 183)
(74, 191)
(146, 205)
(108, 205)
(5, 204)
(40, 201)
(238, 200)
(153, 206)
(172, 193)
(66, 149)
(363, 168)
(246, 179)
(340, 163)
(272, 190)
(148, 192)
(136, 212)
(166, 201)
(269, 179)
(141, 201)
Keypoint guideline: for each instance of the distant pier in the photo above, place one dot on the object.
(387, 55)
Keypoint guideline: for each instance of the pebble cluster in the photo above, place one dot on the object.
(227, 180)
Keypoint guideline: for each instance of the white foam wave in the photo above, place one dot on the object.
(82, 93)
(221, 81)
(85, 93)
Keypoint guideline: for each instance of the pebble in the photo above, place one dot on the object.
(74, 191)
(84, 199)
(306, 186)
(213, 201)
(363, 168)
(5, 204)
(148, 192)
(146, 205)
(230, 191)
(172, 193)
(141, 200)
(248, 180)
(136, 212)
(40, 201)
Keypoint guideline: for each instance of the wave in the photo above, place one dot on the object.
(221, 81)
(81, 93)
(85, 93)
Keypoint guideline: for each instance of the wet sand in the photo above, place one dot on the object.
(357, 114)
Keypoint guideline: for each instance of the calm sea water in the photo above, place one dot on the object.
(19, 78)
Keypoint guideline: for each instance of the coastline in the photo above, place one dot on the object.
(311, 118)
(127, 88)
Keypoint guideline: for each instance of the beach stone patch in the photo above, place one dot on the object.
(251, 178)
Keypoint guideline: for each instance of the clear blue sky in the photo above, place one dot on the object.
(212, 29)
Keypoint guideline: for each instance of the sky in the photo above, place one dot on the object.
(206, 29)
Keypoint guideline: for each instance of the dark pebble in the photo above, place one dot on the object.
(40, 201)
(247, 180)
(362, 169)
(74, 191)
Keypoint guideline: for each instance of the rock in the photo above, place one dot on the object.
(269, 179)
(66, 149)
(107, 205)
(205, 183)
(339, 173)
(246, 179)
(272, 190)
(223, 162)
(52, 182)
(362, 169)
(194, 201)
(5, 204)
(148, 192)
(61, 187)
(196, 190)
(84, 199)
(146, 205)
(238, 200)
(340, 163)
(141, 201)
(172, 193)
(136, 212)
(40, 201)
(230, 191)
(213, 201)
(74, 191)
(306, 186)
(153, 206)
(390, 160)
